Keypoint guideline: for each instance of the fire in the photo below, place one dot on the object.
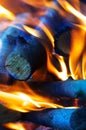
(69, 8)
(21, 98)
(24, 102)
(6, 13)
(18, 101)
(51, 68)
(36, 3)
(32, 31)
(15, 126)
(84, 65)
(78, 35)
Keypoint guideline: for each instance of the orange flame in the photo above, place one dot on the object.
(84, 65)
(77, 56)
(37, 33)
(6, 13)
(32, 31)
(24, 102)
(15, 126)
(77, 48)
(51, 68)
(38, 4)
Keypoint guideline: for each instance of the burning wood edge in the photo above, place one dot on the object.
(68, 88)
(7, 115)
(25, 59)
(63, 119)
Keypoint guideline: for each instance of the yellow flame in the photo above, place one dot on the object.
(32, 31)
(15, 126)
(15, 102)
(6, 13)
(69, 8)
(77, 48)
(77, 57)
(36, 3)
(23, 102)
(82, 27)
(37, 33)
(51, 68)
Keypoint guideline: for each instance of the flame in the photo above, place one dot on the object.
(84, 65)
(20, 97)
(15, 126)
(24, 102)
(35, 3)
(69, 8)
(51, 68)
(32, 31)
(38, 4)
(77, 47)
(77, 56)
(6, 13)
(37, 33)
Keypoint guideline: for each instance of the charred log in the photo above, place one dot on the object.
(63, 119)
(25, 59)
(70, 88)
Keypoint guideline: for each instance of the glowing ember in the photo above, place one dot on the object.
(69, 8)
(78, 44)
(25, 102)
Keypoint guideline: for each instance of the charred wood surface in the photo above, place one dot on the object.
(63, 119)
(71, 88)
(25, 58)
(63, 41)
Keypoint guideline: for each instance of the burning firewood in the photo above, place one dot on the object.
(22, 54)
(25, 59)
(63, 119)
(71, 88)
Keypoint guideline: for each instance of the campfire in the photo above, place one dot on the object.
(42, 65)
